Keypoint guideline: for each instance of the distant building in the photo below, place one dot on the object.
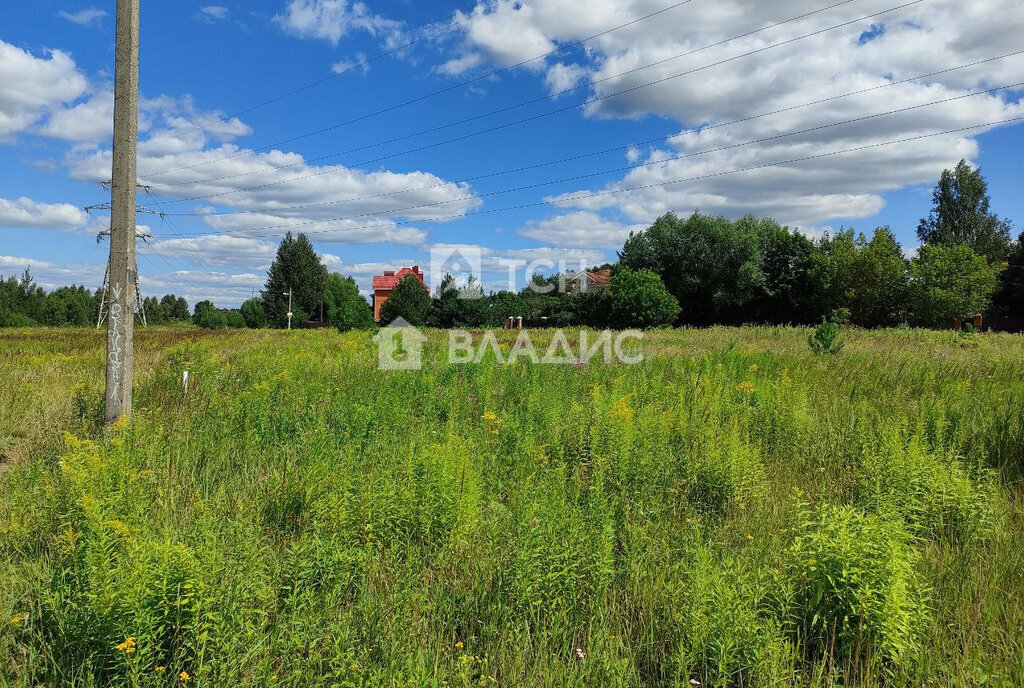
(587, 282)
(384, 284)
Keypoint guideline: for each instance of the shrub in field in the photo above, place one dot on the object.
(935, 497)
(856, 602)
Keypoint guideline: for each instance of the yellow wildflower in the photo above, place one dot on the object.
(742, 506)
(750, 538)
(159, 669)
(458, 645)
(16, 619)
(184, 677)
(745, 387)
(127, 647)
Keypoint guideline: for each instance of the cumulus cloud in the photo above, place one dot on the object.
(263, 195)
(225, 289)
(562, 77)
(52, 275)
(84, 17)
(214, 249)
(581, 229)
(30, 86)
(331, 20)
(872, 52)
(26, 213)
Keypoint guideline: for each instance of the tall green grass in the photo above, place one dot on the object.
(733, 511)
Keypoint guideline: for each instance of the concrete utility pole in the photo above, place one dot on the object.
(122, 270)
(289, 308)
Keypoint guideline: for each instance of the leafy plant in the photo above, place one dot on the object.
(857, 601)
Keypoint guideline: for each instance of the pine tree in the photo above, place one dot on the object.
(296, 267)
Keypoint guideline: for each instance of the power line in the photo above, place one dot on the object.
(600, 194)
(361, 64)
(552, 96)
(602, 151)
(447, 89)
(526, 119)
(175, 231)
(682, 156)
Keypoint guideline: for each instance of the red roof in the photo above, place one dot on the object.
(390, 279)
(600, 277)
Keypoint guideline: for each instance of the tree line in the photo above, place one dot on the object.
(706, 270)
(23, 303)
(698, 270)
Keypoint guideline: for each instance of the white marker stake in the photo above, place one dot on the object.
(184, 381)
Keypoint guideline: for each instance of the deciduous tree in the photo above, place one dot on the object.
(961, 216)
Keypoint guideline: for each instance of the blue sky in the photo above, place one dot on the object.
(386, 205)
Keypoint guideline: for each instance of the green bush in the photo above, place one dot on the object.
(935, 497)
(639, 299)
(856, 599)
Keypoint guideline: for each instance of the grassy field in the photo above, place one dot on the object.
(733, 511)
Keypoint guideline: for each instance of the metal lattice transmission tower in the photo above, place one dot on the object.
(138, 309)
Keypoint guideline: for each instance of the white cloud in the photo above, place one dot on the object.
(562, 77)
(175, 121)
(337, 203)
(30, 86)
(224, 289)
(26, 213)
(91, 120)
(581, 229)
(215, 11)
(359, 63)
(917, 40)
(330, 20)
(214, 249)
(84, 17)
(51, 275)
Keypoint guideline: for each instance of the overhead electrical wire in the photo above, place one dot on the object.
(450, 88)
(360, 64)
(634, 144)
(527, 119)
(579, 197)
(659, 161)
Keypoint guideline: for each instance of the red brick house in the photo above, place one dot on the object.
(384, 284)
